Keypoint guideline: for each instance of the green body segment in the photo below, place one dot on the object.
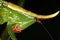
(13, 17)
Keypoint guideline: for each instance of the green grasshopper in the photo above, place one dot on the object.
(18, 18)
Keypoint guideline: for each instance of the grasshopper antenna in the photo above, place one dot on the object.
(37, 20)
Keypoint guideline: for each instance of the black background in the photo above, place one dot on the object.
(36, 31)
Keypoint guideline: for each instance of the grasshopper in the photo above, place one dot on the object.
(18, 18)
